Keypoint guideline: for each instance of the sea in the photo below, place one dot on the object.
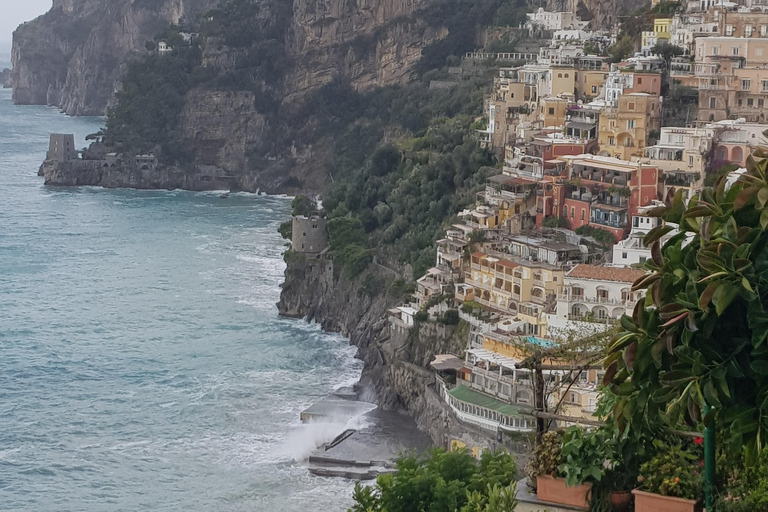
(143, 364)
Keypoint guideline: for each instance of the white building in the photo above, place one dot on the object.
(631, 250)
(163, 48)
(593, 298)
(545, 20)
(614, 86)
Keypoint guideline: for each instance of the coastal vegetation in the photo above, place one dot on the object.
(441, 481)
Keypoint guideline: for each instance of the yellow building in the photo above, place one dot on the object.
(589, 84)
(576, 392)
(623, 130)
(563, 81)
(662, 27)
(519, 288)
(552, 111)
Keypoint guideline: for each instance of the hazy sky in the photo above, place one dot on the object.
(15, 12)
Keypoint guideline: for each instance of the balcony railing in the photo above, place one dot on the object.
(592, 319)
(595, 300)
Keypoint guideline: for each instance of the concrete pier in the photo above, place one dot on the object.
(365, 451)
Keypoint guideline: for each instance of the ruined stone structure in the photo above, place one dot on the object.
(309, 234)
(62, 147)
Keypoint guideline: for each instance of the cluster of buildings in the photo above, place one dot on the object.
(584, 145)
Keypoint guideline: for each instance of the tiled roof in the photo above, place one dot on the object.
(621, 275)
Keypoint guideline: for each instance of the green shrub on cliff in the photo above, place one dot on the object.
(442, 482)
(148, 106)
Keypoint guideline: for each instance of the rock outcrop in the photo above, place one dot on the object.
(396, 375)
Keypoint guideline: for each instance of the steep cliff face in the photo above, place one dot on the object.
(395, 373)
(370, 43)
(604, 14)
(73, 56)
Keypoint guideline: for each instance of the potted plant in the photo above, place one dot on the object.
(565, 465)
(545, 458)
(670, 482)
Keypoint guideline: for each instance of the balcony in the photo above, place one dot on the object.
(591, 319)
(599, 176)
(583, 299)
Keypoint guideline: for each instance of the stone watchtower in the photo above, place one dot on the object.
(309, 234)
(62, 147)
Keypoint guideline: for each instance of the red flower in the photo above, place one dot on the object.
(698, 440)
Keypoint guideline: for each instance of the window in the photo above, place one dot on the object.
(748, 31)
(551, 111)
(624, 255)
(639, 80)
(712, 102)
(765, 85)
(559, 75)
(573, 212)
(583, 211)
(611, 141)
(734, 50)
(566, 75)
(760, 105)
(729, 30)
(763, 30)
(630, 124)
(690, 160)
(715, 50)
(594, 89)
(750, 102)
(745, 84)
(631, 106)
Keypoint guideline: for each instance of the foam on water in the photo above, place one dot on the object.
(142, 362)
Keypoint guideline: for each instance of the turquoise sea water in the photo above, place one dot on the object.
(142, 362)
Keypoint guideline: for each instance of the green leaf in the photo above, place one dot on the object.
(655, 234)
(764, 219)
(729, 292)
(706, 295)
(710, 394)
(759, 366)
(762, 198)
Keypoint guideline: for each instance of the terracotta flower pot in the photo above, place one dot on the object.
(621, 501)
(554, 490)
(650, 502)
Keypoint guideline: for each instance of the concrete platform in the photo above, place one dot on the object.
(342, 405)
(364, 453)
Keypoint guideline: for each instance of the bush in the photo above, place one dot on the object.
(450, 317)
(286, 229)
(421, 316)
(441, 482)
(555, 222)
(604, 237)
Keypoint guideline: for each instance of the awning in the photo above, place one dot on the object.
(609, 208)
(493, 357)
(443, 362)
(579, 125)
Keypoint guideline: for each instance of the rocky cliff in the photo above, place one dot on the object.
(396, 372)
(73, 56)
